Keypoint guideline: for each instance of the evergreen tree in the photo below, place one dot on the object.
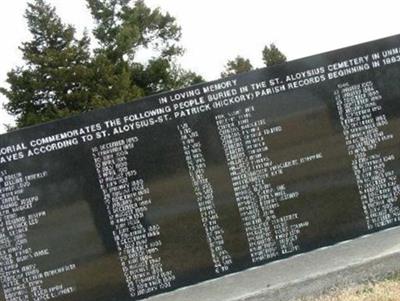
(273, 56)
(61, 77)
(237, 66)
(123, 29)
(54, 81)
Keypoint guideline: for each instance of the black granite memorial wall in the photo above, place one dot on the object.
(186, 186)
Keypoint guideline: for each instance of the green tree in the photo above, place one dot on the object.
(237, 66)
(53, 82)
(62, 76)
(122, 30)
(272, 55)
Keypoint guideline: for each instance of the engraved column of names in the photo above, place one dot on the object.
(127, 200)
(205, 197)
(21, 278)
(361, 117)
(250, 168)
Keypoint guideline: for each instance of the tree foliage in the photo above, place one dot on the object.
(237, 66)
(53, 83)
(273, 56)
(63, 76)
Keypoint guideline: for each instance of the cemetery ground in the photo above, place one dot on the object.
(387, 289)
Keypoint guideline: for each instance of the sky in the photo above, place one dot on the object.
(215, 31)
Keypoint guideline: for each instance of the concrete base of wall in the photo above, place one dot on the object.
(350, 262)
